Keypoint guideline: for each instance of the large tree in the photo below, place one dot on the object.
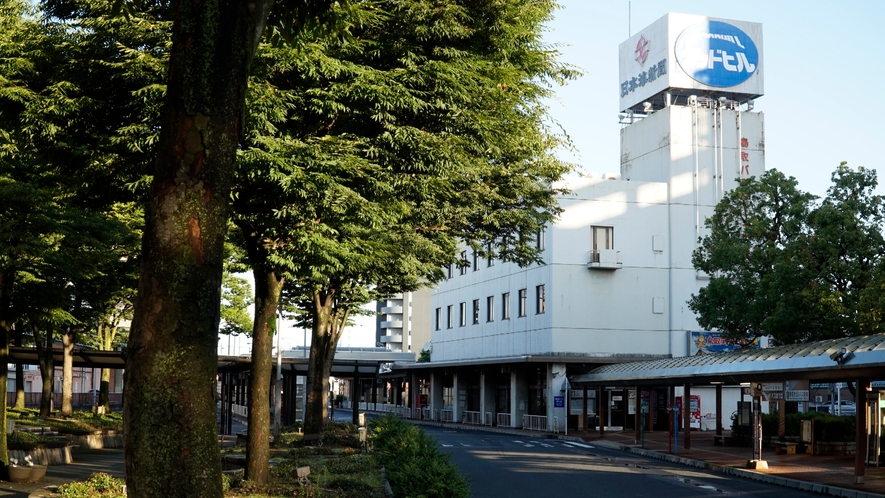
(369, 161)
(169, 404)
(785, 266)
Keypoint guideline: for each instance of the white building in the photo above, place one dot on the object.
(403, 322)
(618, 270)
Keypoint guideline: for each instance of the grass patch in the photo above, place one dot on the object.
(79, 423)
(99, 485)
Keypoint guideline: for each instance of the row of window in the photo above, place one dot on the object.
(490, 262)
(603, 238)
(522, 306)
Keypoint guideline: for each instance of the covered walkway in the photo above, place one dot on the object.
(856, 359)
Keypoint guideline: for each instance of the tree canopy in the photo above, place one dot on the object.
(369, 160)
(785, 264)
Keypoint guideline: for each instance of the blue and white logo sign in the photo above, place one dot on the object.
(716, 53)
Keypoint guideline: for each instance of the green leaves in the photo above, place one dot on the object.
(785, 266)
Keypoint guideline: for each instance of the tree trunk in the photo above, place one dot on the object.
(268, 286)
(103, 398)
(169, 405)
(19, 378)
(5, 330)
(47, 369)
(67, 374)
(326, 330)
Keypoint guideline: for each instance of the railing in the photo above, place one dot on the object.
(447, 415)
(534, 422)
(240, 410)
(78, 400)
(472, 418)
(487, 419)
(504, 420)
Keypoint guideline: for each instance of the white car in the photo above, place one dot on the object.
(844, 408)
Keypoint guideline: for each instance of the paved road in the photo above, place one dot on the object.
(507, 466)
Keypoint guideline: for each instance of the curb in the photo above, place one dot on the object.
(744, 473)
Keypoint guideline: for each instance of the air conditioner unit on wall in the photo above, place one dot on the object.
(818, 399)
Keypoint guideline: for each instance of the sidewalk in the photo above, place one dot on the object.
(831, 475)
(86, 463)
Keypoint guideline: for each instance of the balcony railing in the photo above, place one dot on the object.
(604, 259)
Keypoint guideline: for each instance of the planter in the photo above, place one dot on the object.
(19, 473)
(38, 472)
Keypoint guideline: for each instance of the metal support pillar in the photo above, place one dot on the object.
(686, 416)
(861, 437)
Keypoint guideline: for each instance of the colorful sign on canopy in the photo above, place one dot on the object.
(713, 342)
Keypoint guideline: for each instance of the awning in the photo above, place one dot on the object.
(832, 360)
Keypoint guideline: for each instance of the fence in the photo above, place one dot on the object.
(78, 400)
(534, 422)
(472, 418)
(447, 415)
(504, 420)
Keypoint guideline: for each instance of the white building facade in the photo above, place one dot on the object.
(618, 271)
(404, 321)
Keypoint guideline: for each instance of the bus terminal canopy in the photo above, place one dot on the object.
(348, 360)
(832, 360)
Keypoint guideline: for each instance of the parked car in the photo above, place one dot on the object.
(844, 408)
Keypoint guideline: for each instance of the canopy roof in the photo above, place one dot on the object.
(348, 360)
(831, 360)
(366, 360)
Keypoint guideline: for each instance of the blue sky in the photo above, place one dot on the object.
(824, 79)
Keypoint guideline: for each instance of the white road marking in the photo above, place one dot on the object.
(579, 445)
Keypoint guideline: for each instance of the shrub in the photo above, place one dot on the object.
(354, 487)
(26, 438)
(829, 428)
(98, 485)
(414, 463)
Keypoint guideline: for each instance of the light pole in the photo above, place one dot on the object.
(566, 387)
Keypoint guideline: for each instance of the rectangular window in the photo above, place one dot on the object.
(451, 271)
(603, 238)
(539, 243)
(491, 261)
(463, 262)
(475, 260)
(475, 311)
(505, 306)
(490, 309)
(522, 302)
(450, 309)
(540, 299)
(462, 314)
(438, 318)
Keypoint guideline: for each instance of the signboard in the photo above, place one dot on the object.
(691, 54)
(704, 342)
(559, 402)
(796, 390)
(716, 53)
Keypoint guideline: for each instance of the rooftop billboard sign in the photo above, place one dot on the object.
(685, 54)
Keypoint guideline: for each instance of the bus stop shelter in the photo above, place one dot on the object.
(853, 359)
(353, 363)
